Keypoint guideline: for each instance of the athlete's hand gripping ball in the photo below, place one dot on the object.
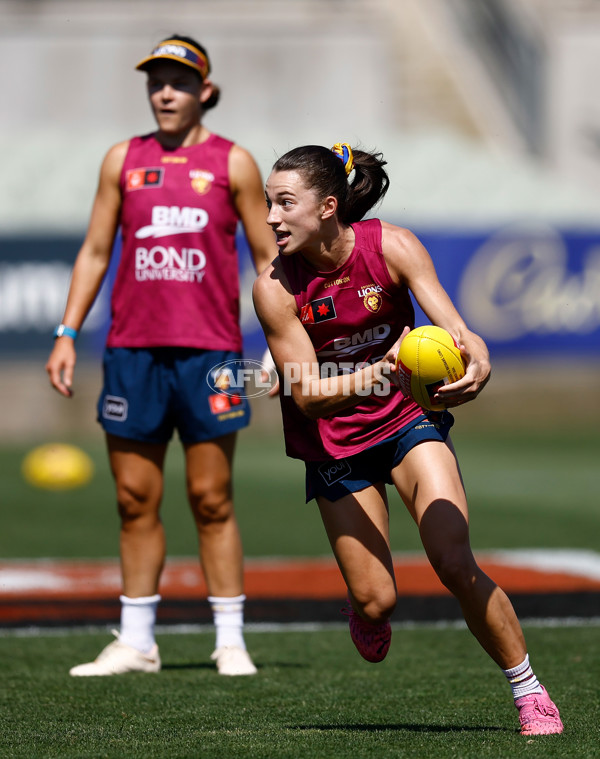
(428, 359)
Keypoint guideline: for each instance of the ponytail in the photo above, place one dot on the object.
(368, 186)
(354, 177)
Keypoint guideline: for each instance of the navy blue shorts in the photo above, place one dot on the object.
(337, 478)
(149, 392)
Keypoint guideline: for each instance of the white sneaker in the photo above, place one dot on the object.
(117, 658)
(233, 660)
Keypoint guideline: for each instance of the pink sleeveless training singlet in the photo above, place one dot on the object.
(177, 283)
(353, 315)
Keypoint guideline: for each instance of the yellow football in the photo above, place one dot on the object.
(57, 466)
(428, 359)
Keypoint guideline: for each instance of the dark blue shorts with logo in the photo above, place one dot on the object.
(336, 478)
(150, 392)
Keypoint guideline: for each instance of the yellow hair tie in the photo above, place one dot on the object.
(344, 151)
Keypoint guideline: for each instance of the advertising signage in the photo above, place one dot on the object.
(526, 290)
(34, 280)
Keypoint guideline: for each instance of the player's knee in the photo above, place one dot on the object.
(135, 504)
(456, 570)
(210, 506)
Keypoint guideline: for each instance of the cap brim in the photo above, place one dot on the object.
(143, 64)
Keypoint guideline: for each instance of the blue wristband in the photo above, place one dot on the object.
(63, 330)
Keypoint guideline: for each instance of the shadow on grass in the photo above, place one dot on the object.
(188, 665)
(410, 727)
(211, 665)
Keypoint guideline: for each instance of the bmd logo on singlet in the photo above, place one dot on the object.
(166, 262)
(172, 220)
(347, 346)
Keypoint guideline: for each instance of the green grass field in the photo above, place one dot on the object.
(436, 696)
(526, 490)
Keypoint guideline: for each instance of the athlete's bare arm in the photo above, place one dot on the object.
(409, 262)
(294, 354)
(90, 266)
(249, 198)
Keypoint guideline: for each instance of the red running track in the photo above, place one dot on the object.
(52, 592)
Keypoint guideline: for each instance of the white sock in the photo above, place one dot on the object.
(228, 614)
(138, 617)
(522, 679)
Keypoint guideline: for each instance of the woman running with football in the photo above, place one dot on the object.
(335, 306)
(177, 195)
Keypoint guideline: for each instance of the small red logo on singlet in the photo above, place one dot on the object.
(316, 311)
(138, 179)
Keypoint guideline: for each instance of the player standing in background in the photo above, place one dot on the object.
(334, 306)
(177, 194)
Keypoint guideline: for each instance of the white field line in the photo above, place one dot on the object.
(282, 627)
(45, 574)
(578, 562)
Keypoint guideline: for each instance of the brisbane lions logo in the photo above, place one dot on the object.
(372, 299)
(373, 302)
(201, 181)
